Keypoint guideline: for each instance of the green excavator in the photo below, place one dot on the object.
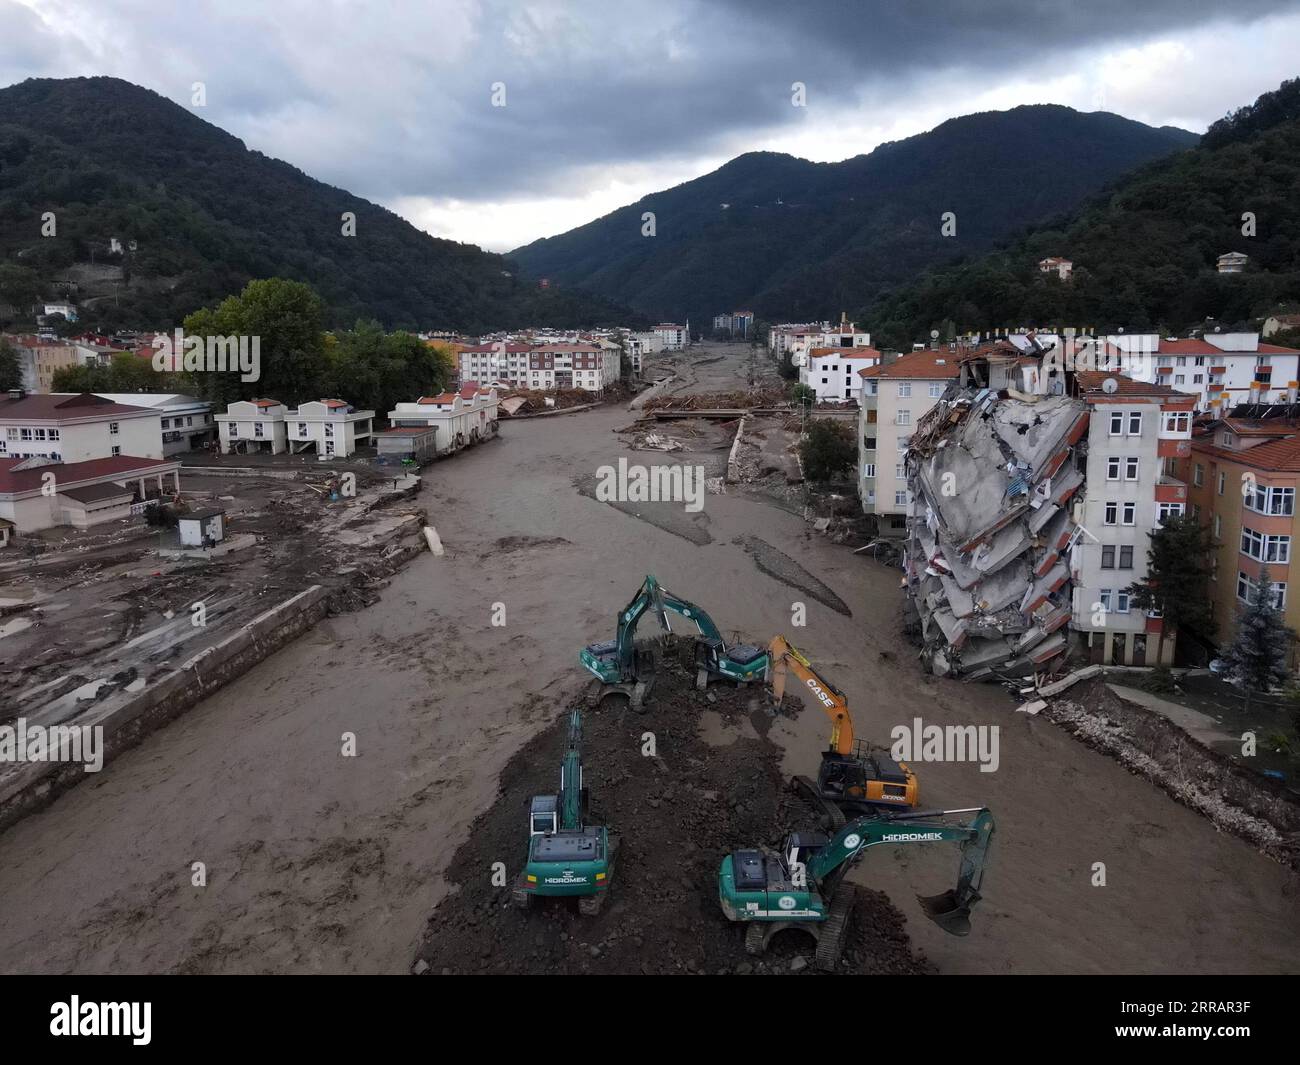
(621, 666)
(566, 856)
(802, 887)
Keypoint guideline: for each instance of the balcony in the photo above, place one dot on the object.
(1170, 490)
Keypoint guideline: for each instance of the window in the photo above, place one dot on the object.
(1179, 421)
(871, 495)
(26, 434)
(257, 428)
(1247, 589)
(234, 428)
(1116, 423)
(904, 389)
(1168, 510)
(1135, 423)
(1112, 512)
(903, 417)
(869, 443)
(903, 442)
(1180, 379)
(873, 388)
(40, 434)
(1103, 598)
(1181, 360)
(900, 471)
(1218, 526)
(1222, 482)
(302, 428)
(900, 498)
(936, 389)
(115, 450)
(1265, 548)
(1266, 499)
(1108, 556)
(1126, 557)
(1130, 513)
(1112, 468)
(1198, 475)
(112, 428)
(1130, 468)
(1198, 378)
(868, 469)
(166, 423)
(1121, 602)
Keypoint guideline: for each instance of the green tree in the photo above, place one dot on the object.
(804, 395)
(1256, 659)
(11, 373)
(1178, 573)
(828, 449)
(286, 317)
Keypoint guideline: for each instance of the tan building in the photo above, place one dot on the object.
(1242, 482)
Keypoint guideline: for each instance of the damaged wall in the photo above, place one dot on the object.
(986, 556)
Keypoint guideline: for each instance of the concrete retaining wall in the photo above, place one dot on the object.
(127, 718)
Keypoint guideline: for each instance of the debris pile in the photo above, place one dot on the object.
(986, 556)
(713, 784)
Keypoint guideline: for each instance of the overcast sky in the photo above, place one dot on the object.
(607, 100)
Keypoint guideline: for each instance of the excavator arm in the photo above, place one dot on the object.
(651, 596)
(571, 777)
(785, 657)
(949, 910)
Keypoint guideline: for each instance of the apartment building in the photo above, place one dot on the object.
(668, 336)
(64, 427)
(1242, 477)
(39, 358)
(565, 366)
(459, 418)
(893, 398)
(501, 362)
(329, 427)
(833, 372)
(252, 425)
(186, 421)
(1137, 432)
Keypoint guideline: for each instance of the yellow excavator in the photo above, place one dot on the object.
(853, 779)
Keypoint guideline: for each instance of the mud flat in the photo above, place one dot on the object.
(782, 567)
(715, 784)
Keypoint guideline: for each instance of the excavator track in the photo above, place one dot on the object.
(591, 905)
(830, 937)
(832, 816)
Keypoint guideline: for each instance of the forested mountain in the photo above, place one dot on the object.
(1145, 253)
(796, 240)
(197, 215)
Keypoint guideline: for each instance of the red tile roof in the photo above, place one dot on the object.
(1277, 456)
(847, 353)
(916, 365)
(444, 397)
(68, 473)
(60, 406)
(1090, 383)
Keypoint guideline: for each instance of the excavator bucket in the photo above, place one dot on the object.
(947, 912)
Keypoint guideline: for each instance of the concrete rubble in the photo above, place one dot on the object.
(987, 553)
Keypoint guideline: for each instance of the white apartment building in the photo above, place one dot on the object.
(565, 366)
(252, 425)
(1136, 431)
(65, 427)
(330, 427)
(186, 424)
(833, 372)
(671, 337)
(500, 362)
(893, 398)
(459, 418)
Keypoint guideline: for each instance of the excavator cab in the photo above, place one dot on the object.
(543, 815)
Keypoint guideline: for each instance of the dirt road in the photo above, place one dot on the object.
(322, 863)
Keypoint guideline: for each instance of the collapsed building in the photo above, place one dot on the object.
(986, 558)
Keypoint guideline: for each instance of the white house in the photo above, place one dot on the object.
(460, 418)
(670, 337)
(1232, 262)
(251, 425)
(330, 426)
(36, 493)
(832, 372)
(187, 423)
(67, 427)
(1054, 264)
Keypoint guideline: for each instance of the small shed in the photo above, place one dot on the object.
(415, 442)
(202, 528)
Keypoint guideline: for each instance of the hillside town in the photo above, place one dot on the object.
(850, 540)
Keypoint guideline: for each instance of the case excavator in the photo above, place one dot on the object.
(566, 856)
(852, 779)
(622, 666)
(802, 886)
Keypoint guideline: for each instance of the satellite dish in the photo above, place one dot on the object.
(934, 334)
(1110, 386)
